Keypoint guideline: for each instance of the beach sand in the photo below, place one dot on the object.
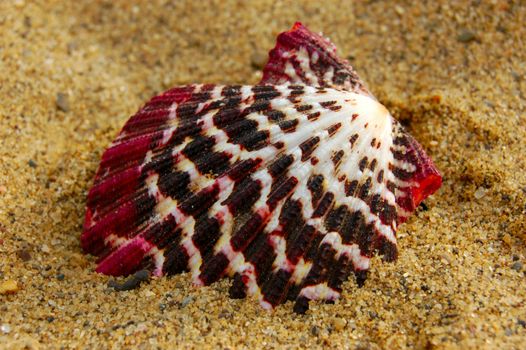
(71, 73)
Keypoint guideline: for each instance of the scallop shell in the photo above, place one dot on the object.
(288, 186)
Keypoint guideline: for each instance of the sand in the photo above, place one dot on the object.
(71, 73)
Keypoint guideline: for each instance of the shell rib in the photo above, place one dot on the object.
(288, 186)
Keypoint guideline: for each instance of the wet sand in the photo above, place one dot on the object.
(71, 74)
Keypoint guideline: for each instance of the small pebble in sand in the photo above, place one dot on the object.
(132, 282)
(60, 276)
(466, 36)
(45, 248)
(339, 323)
(62, 102)
(479, 193)
(507, 239)
(517, 266)
(258, 59)
(399, 10)
(32, 163)
(24, 254)
(9, 287)
(5, 328)
(187, 300)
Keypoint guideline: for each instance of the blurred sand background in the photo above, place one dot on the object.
(454, 72)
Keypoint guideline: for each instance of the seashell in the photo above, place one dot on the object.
(288, 186)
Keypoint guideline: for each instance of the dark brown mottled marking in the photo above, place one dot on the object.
(200, 152)
(288, 125)
(327, 104)
(144, 205)
(381, 208)
(350, 187)
(353, 139)
(322, 265)
(315, 186)
(185, 129)
(340, 273)
(295, 93)
(200, 201)
(298, 243)
(243, 168)
(175, 258)
(246, 134)
(161, 163)
(373, 142)
(365, 238)
(304, 108)
(391, 186)
(231, 90)
(324, 205)
(333, 128)
(335, 108)
(291, 220)
(275, 288)
(163, 233)
(386, 248)
(281, 192)
(275, 115)
(355, 223)
(380, 177)
(265, 92)
(401, 141)
(213, 268)
(312, 249)
(354, 116)
(229, 114)
(308, 146)
(174, 185)
(335, 218)
(296, 89)
(363, 192)
(247, 232)
(342, 177)
(257, 107)
(238, 290)
(363, 163)
(357, 230)
(213, 163)
(207, 231)
(280, 165)
(337, 156)
(243, 196)
(313, 116)
(372, 165)
(279, 145)
(402, 174)
(261, 254)
(314, 160)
